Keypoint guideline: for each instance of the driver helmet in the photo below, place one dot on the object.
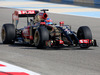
(48, 21)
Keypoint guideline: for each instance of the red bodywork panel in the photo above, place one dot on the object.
(58, 42)
(42, 23)
(85, 41)
(26, 32)
(61, 42)
(43, 15)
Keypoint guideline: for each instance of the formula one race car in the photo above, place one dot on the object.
(42, 33)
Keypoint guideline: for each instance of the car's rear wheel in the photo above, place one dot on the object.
(8, 34)
(40, 37)
(84, 32)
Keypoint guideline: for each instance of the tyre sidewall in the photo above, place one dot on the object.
(85, 30)
(43, 35)
(9, 33)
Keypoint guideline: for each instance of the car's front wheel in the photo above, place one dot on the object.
(84, 32)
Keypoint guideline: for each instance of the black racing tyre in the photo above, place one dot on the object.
(41, 35)
(8, 34)
(84, 32)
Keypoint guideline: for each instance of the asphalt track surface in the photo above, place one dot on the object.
(64, 61)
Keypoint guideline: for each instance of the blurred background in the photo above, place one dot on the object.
(94, 3)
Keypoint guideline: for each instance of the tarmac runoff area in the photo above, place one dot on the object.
(53, 7)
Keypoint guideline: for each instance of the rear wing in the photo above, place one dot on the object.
(26, 13)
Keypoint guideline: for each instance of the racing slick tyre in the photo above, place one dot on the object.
(41, 35)
(8, 34)
(84, 32)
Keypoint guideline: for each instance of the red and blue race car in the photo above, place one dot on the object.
(42, 32)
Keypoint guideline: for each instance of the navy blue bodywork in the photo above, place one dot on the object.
(70, 35)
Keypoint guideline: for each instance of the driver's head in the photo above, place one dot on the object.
(48, 21)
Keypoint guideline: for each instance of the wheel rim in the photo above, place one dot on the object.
(3, 34)
(36, 38)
